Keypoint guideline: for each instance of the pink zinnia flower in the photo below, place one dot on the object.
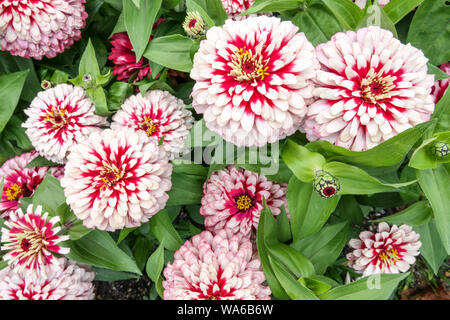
(371, 88)
(233, 199)
(63, 281)
(37, 28)
(220, 267)
(163, 117)
(235, 7)
(30, 240)
(117, 179)
(441, 86)
(59, 118)
(390, 250)
(21, 182)
(253, 80)
(362, 3)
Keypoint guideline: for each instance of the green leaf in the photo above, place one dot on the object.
(49, 194)
(354, 180)
(416, 214)
(374, 287)
(294, 289)
(15, 134)
(432, 249)
(212, 11)
(308, 210)
(187, 184)
(172, 51)
(284, 226)
(348, 209)
(88, 62)
(270, 6)
(292, 259)
(442, 115)
(385, 154)
(102, 274)
(318, 23)
(155, 263)
(124, 233)
(438, 73)
(97, 248)
(375, 16)
(302, 162)
(40, 161)
(139, 23)
(396, 10)
(430, 30)
(434, 183)
(317, 286)
(141, 250)
(163, 230)
(347, 12)
(10, 88)
(324, 247)
(99, 98)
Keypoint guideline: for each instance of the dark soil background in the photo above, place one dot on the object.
(134, 289)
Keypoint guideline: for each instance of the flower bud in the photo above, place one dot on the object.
(326, 184)
(440, 149)
(194, 25)
(45, 84)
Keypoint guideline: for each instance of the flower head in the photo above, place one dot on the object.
(34, 29)
(59, 118)
(193, 24)
(163, 117)
(326, 184)
(62, 281)
(390, 250)
(441, 86)
(235, 7)
(253, 80)
(215, 267)
(30, 240)
(233, 199)
(117, 179)
(371, 88)
(20, 181)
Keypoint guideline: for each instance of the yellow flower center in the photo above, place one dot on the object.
(247, 66)
(57, 117)
(389, 256)
(244, 202)
(375, 87)
(14, 192)
(111, 175)
(149, 126)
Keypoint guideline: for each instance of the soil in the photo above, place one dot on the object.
(134, 289)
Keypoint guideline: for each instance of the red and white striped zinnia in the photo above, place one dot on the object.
(20, 181)
(253, 80)
(117, 179)
(59, 118)
(30, 240)
(38, 28)
(371, 88)
(441, 86)
(63, 281)
(235, 7)
(390, 250)
(233, 199)
(215, 267)
(163, 117)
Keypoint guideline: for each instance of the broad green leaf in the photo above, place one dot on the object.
(40, 161)
(324, 247)
(348, 209)
(172, 51)
(142, 250)
(155, 263)
(97, 248)
(432, 249)
(269, 6)
(88, 62)
(139, 23)
(375, 287)
(438, 73)
(422, 158)
(49, 194)
(117, 93)
(10, 88)
(318, 287)
(354, 180)
(15, 134)
(109, 275)
(302, 162)
(416, 214)
(284, 226)
(441, 114)
(375, 16)
(293, 288)
(99, 98)
(347, 12)
(385, 154)
(292, 259)
(74, 226)
(434, 183)
(318, 23)
(124, 233)
(397, 9)
(212, 11)
(430, 30)
(164, 231)
(187, 184)
(308, 210)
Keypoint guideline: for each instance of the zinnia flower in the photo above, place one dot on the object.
(220, 267)
(59, 118)
(235, 7)
(163, 117)
(233, 199)
(21, 182)
(362, 3)
(37, 28)
(117, 179)
(30, 240)
(193, 24)
(253, 80)
(63, 281)
(390, 250)
(441, 86)
(371, 88)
